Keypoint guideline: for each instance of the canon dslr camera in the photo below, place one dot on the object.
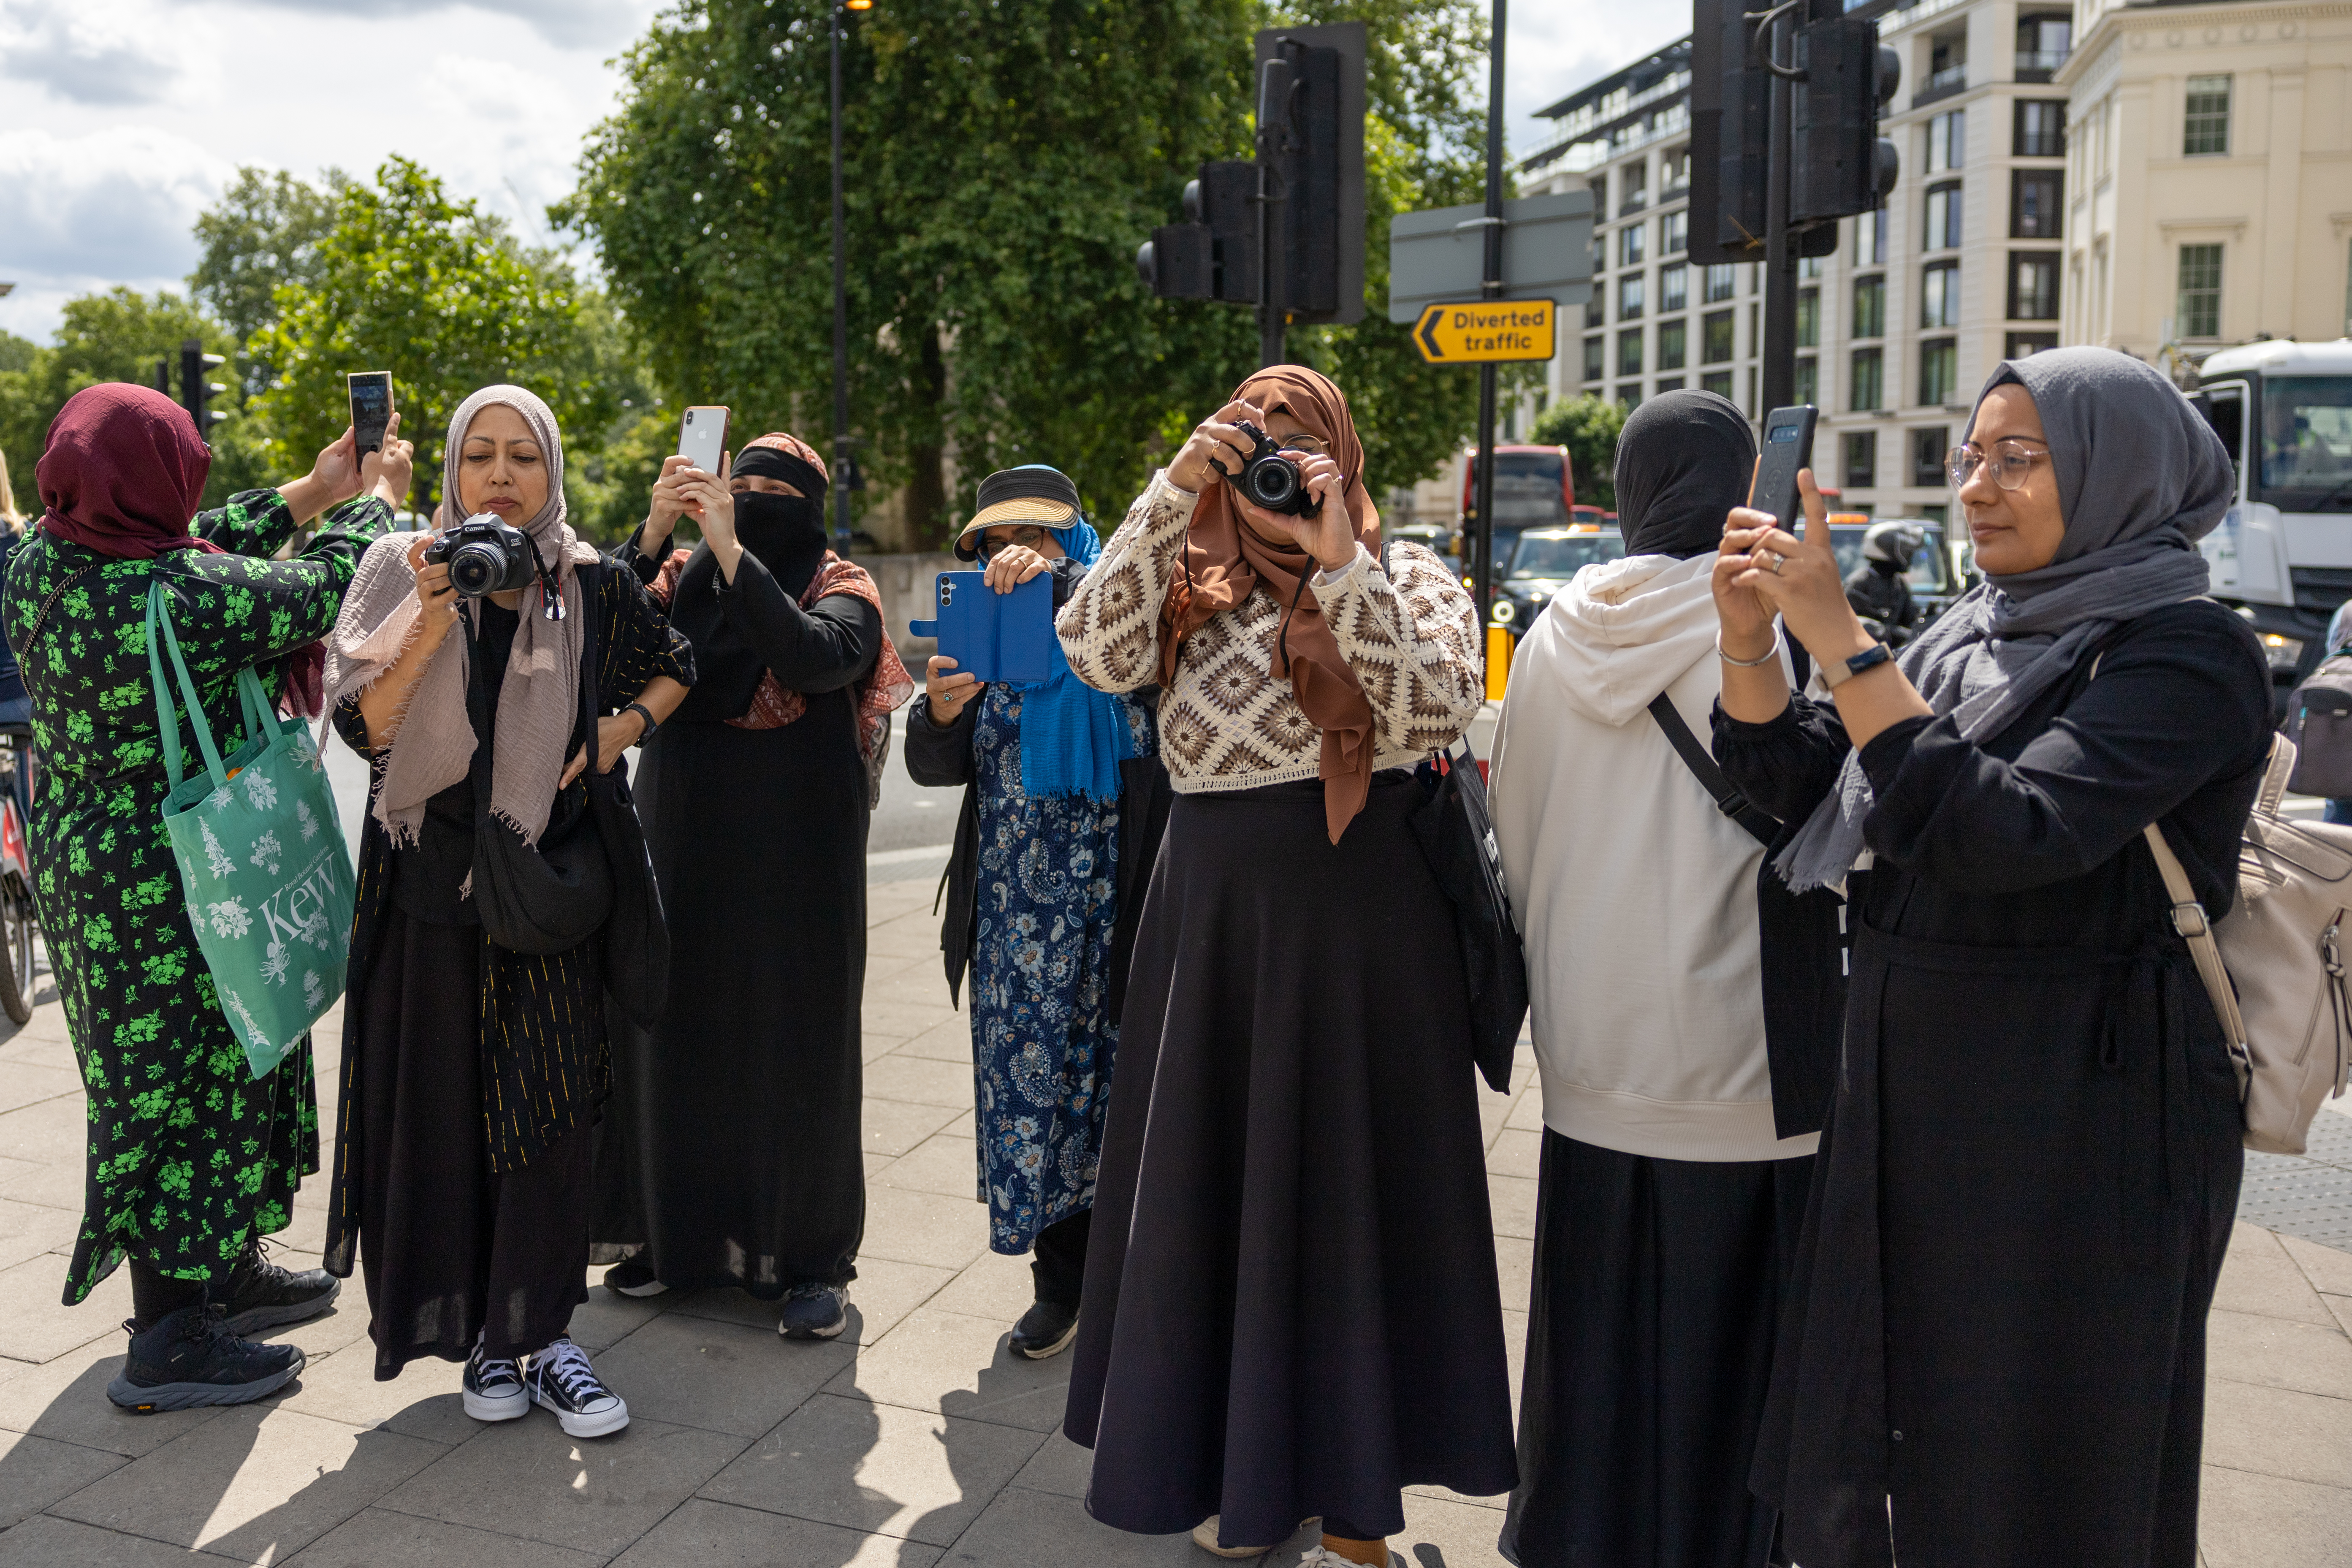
(485, 556)
(1269, 479)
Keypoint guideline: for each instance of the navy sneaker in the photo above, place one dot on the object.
(261, 1295)
(815, 1312)
(190, 1358)
(560, 1378)
(1046, 1329)
(494, 1390)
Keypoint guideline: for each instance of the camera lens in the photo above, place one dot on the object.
(474, 569)
(1273, 482)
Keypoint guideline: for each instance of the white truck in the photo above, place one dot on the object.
(2282, 555)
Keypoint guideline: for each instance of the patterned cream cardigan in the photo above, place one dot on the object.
(1230, 722)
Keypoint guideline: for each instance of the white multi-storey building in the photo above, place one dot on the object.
(1897, 329)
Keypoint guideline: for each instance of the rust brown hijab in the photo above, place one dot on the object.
(1226, 557)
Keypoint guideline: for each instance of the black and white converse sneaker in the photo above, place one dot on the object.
(261, 1295)
(560, 1378)
(813, 1311)
(494, 1390)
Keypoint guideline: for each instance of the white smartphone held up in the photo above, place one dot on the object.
(702, 436)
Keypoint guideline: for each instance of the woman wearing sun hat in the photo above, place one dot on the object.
(731, 1151)
(1063, 801)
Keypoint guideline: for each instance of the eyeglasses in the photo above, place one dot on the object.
(2012, 461)
(1305, 446)
(1027, 538)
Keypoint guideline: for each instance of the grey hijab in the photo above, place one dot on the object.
(2141, 477)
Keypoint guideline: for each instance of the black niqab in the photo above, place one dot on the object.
(787, 534)
(1684, 459)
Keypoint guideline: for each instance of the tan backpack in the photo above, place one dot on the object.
(2288, 1019)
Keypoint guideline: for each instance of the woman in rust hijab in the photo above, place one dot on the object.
(1290, 1308)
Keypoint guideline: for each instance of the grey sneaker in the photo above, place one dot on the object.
(815, 1312)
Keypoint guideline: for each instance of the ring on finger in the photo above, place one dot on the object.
(1772, 562)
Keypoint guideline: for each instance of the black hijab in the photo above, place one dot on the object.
(786, 533)
(1683, 461)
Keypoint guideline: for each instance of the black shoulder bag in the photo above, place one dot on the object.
(1800, 940)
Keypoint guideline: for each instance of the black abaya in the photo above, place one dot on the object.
(1291, 1305)
(730, 1152)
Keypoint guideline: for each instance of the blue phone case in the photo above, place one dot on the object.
(994, 635)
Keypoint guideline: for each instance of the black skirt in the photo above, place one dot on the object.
(1290, 1304)
(1658, 1288)
(449, 1247)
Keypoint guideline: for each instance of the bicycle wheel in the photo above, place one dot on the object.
(16, 959)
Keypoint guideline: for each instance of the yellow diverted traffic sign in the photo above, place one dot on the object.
(1482, 331)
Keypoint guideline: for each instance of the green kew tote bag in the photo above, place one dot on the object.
(262, 860)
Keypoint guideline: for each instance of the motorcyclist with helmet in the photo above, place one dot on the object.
(1879, 589)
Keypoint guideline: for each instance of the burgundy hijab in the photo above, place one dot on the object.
(121, 475)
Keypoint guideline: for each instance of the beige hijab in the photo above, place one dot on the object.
(433, 740)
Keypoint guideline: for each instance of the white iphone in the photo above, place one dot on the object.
(702, 436)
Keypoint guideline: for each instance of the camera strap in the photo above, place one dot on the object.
(551, 592)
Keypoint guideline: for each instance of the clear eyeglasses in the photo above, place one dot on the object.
(2011, 460)
(1027, 538)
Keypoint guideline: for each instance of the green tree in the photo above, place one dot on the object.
(264, 232)
(119, 335)
(439, 293)
(1587, 427)
(1004, 163)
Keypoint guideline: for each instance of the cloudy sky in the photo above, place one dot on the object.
(124, 118)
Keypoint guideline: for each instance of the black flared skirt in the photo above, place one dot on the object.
(1290, 1301)
(1657, 1286)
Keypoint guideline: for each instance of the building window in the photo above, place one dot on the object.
(1677, 169)
(1870, 308)
(1630, 394)
(1751, 409)
(1673, 344)
(1630, 241)
(1943, 231)
(2023, 344)
(1670, 384)
(1629, 298)
(2205, 125)
(1674, 233)
(2039, 129)
(2200, 291)
(1717, 381)
(1947, 137)
(1810, 268)
(1598, 186)
(1928, 449)
(1869, 239)
(1808, 379)
(1940, 363)
(2042, 45)
(1674, 286)
(1939, 294)
(1860, 459)
(1629, 352)
(2034, 286)
(1809, 318)
(1866, 386)
(1715, 338)
(1720, 281)
(2035, 202)
(1596, 355)
(1636, 183)
(1755, 329)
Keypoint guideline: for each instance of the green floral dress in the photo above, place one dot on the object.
(191, 1157)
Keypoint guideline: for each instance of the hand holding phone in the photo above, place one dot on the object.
(371, 396)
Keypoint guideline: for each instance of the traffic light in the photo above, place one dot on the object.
(1175, 262)
(1224, 198)
(163, 376)
(1731, 138)
(195, 390)
(1839, 164)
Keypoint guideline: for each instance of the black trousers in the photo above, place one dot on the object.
(1058, 1258)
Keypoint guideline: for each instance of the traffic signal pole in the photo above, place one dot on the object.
(836, 19)
(1776, 37)
(1273, 198)
(1492, 279)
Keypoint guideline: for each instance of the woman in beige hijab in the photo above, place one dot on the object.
(471, 1072)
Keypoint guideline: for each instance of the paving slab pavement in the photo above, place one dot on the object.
(917, 1439)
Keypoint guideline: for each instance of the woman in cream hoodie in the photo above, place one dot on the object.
(1667, 1198)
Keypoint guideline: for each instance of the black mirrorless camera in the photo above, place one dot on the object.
(1269, 479)
(485, 556)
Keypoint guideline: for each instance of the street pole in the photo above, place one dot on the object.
(1272, 199)
(838, 19)
(1492, 281)
(1779, 355)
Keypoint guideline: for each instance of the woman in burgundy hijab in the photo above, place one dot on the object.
(192, 1161)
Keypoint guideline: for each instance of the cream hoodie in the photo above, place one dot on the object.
(1636, 896)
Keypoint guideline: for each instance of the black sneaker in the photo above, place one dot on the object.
(1044, 1330)
(560, 1378)
(494, 1390)
(260, 1295)
(633, 1279)
(190, 1358)
(814, 1312)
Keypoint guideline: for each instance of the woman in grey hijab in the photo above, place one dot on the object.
(1995, 1350)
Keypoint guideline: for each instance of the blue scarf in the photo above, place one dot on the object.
(1073, 738)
